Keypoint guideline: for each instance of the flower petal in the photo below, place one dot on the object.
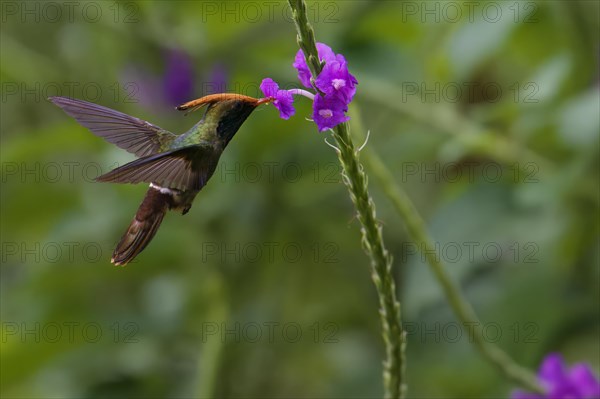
(583, 379)
(336, 80)
(325, 54)
(269, 87)
(559, 383)
(303, 71)
(329, 112)
(552, 370)
(283, 100)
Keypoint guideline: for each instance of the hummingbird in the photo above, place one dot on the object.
(175, 166)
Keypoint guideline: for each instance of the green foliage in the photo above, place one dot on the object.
(233, 258)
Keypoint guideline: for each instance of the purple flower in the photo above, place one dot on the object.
(178, 81)
(336, 87)
(329, 112)
(325, 54)
(283, 100)
(560, 382)
(335, 80)
(159, 92)
(147, 87)
(217, 79)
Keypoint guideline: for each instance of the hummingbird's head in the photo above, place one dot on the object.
(229, 109)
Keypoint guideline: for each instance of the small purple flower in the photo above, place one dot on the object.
(559, 382)
(283, 100)
(217, 79)
(148, 87)
(178, 81)
(329, 112)
(325, 54)
(336, 86)
(159, 92)
(335, 80)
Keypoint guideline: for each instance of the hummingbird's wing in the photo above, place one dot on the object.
(187, 168)
(127, 132)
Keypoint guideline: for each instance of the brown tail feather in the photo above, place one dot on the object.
(143, 227)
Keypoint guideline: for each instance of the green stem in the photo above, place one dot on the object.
(417, 231)
(355, 180)
(381, 261)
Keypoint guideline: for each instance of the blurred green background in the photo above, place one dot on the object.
(487, 114)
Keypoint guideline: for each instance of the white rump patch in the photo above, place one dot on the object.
(163, 190)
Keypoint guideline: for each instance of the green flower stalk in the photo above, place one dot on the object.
(417, 230)
(355, 180)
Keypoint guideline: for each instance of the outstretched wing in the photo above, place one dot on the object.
(127, 132)
(186, 168)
